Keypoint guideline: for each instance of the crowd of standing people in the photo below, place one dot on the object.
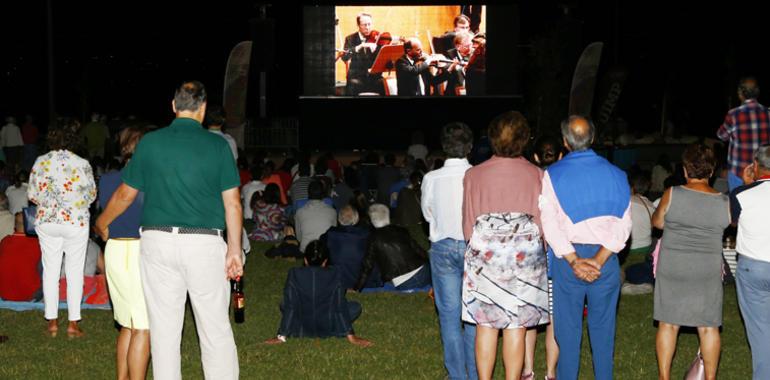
(527, 237)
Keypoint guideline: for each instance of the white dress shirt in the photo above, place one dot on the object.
(442, 199)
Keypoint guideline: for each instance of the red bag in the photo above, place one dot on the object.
(94, 290)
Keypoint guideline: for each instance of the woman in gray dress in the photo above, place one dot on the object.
(688, 288)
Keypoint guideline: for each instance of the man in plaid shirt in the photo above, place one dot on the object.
(746, 128)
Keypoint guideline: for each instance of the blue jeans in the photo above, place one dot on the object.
(753, 285)
(733, 181)
(447, 260)
(420, 279)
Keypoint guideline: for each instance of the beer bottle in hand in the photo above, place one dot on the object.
(238, 301)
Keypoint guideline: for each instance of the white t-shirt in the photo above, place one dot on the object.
(418, 151)
(10, 136)
(751, 206)
(247, 191)
(17, 198)
(641, 225)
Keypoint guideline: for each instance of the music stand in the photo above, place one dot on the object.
(386, 59)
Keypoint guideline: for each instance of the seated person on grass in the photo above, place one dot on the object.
(347, 247)
(315, 217)
(268, 214)
(641, 213)
(314, 304)
(19, 262)
(402, 262)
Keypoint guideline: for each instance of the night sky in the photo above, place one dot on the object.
(118, 56)
(128, 57)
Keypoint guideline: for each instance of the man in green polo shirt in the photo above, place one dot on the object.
(190, 184)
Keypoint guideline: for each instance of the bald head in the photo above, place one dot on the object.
(413, 47)
(578, 133)
(762, 159)
(348, 216)
(748, 88)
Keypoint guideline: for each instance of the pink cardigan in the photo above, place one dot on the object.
(501, 185)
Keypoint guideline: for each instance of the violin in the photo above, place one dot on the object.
(373, 36)
(379, 38)
(477, 61)
(384, 39)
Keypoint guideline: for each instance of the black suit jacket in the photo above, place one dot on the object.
(394, 251)
(408, 74)
(358, 69)
(457, 77)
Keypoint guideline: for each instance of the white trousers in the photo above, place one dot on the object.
(173, 265)
(71, 242)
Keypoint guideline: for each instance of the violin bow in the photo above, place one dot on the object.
(430, 41)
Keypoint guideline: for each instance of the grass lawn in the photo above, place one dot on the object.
(404, 329)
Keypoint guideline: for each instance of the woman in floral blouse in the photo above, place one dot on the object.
(62, 186)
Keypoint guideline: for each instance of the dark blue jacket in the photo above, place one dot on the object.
(347, 247)
(314, 304)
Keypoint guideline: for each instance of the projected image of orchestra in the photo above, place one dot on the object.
(410, 50)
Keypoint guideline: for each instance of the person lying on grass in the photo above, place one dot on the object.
(314, 304)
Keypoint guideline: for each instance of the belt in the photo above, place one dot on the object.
(185, 230)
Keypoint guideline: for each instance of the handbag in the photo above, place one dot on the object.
(655, 254)
(29, 214)
(696, 371)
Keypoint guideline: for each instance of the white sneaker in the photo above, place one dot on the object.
(634, 289)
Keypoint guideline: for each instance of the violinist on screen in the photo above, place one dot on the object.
(360, 49)
(476, 69)
(461, 53)
(413, 72)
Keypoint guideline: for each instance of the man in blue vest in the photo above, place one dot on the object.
(585, 208)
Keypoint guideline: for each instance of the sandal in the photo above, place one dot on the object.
(53, 328)
(74, 331)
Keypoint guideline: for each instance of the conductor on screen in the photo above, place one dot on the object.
(360, 50)
(413, 73)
